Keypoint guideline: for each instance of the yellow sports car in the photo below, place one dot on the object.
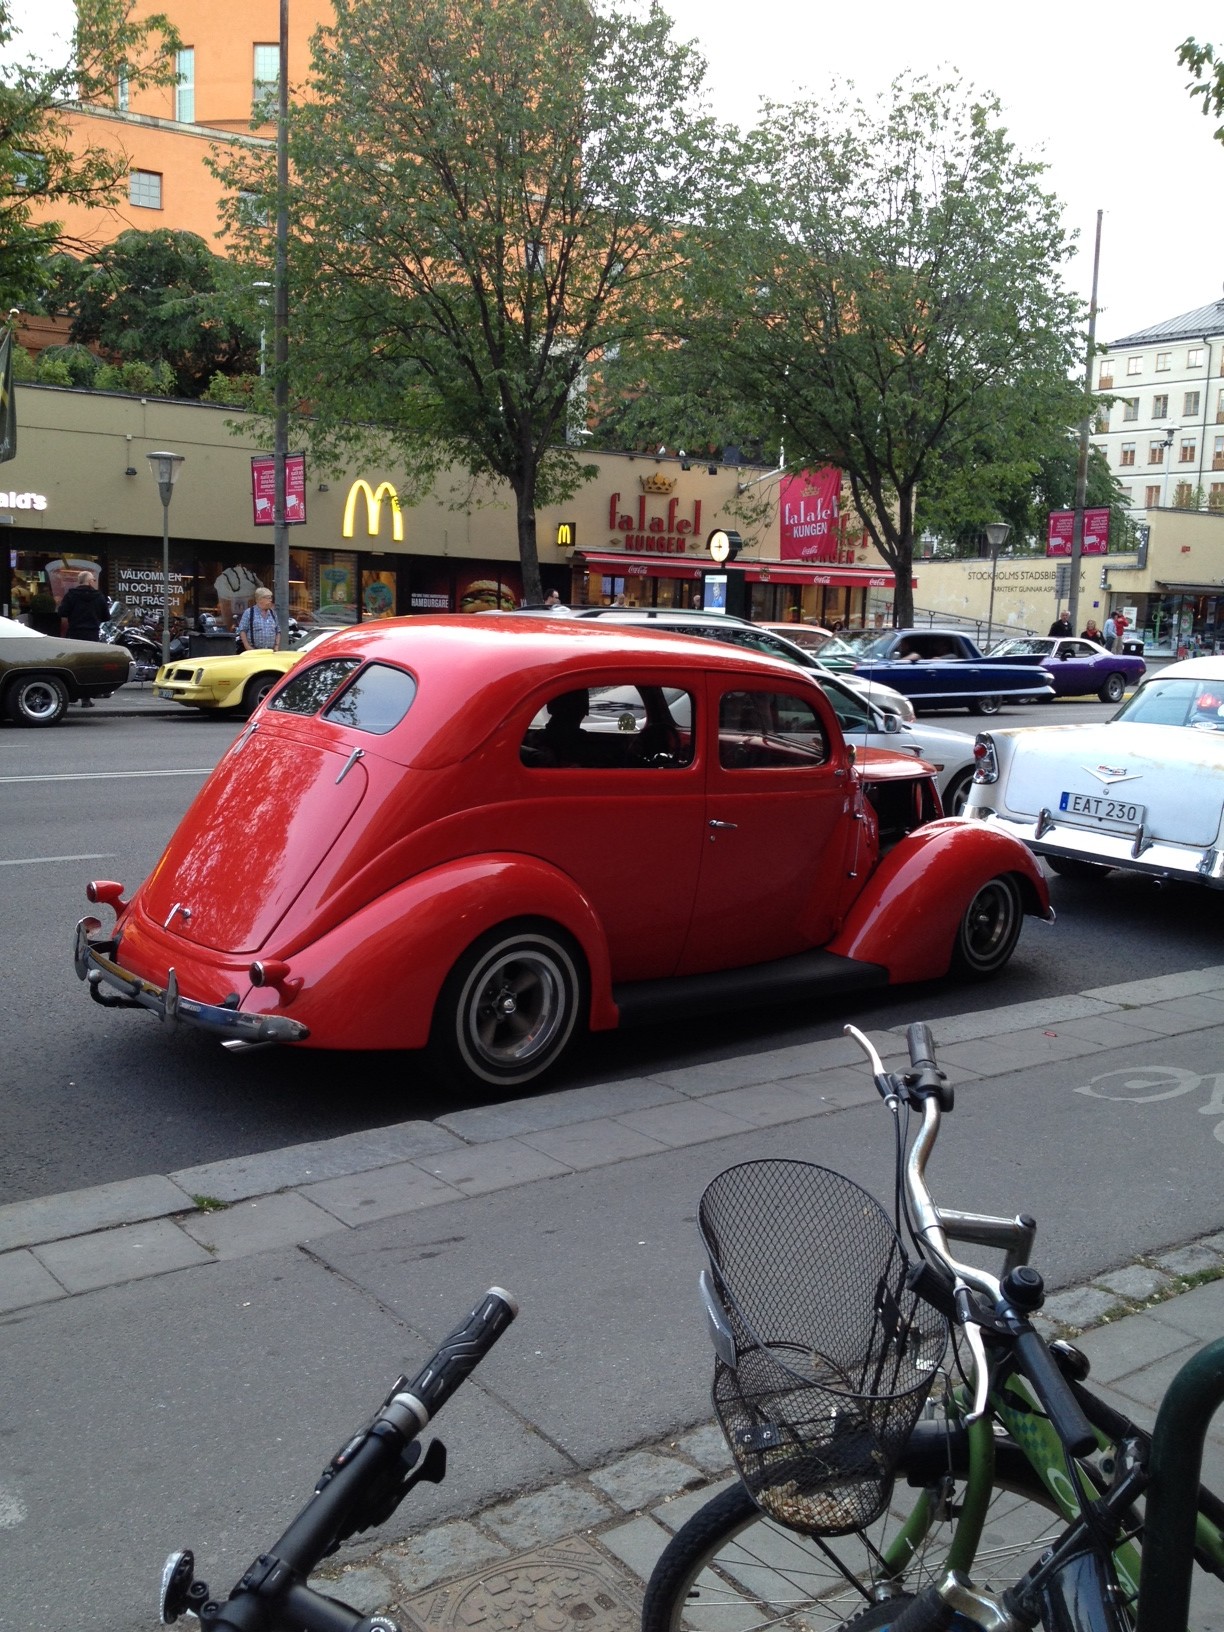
(233, 684)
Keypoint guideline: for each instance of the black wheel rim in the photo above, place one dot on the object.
(990, 926)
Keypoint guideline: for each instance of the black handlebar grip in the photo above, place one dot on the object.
(1052, 1389)
(921, 1046)
(463, 1350)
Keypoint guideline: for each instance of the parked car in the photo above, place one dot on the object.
(940, 668)
(811, 636)
(232, 682)
(1078, 668)
(1143, 792)
(456, 852)
(41, 674)
(754, 637)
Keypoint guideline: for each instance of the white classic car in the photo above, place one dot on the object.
(1143, 792)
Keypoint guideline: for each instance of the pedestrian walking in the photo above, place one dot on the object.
(259, 627)
(1062, 625)
(82, 613)
(1111, 632)
(1120, 624)
(1091, 632)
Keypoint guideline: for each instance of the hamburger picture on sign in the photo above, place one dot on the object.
(487, 594)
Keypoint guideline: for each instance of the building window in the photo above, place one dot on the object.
(145, 189)
(1160, 406)
(1130, 406)
(534, 257)
(122, 91)
(1183, 496)
(1194, 357)
(1215, 497)
(184, 87)
(1125, 492)
(28, 170)
(1220, 408)
(1187, 451)
(1128, 454)
(1106, 376)
(1190, 403)
(1134, 365)
(267, 80)
(1151, 497)
(1156, 453)
(1217, 454)
(1162, 362)
(1101, 423)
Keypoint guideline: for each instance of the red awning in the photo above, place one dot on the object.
(622, 564)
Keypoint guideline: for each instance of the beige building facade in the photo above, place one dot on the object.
(80, 493)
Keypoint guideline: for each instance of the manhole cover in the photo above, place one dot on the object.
(568, 1587)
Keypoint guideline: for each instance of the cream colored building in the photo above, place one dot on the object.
(80, 493)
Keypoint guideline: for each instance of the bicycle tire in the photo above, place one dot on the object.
(756, 1574)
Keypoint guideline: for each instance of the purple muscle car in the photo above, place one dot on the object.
(1079, 668)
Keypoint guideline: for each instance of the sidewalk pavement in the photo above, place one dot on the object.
(188, 1311)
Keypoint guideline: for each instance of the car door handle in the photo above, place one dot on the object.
(714, 822)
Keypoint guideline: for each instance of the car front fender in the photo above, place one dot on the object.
(907, 916)
(372, 982)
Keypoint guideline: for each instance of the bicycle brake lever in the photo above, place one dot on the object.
(885, 1086)
(981, 1376)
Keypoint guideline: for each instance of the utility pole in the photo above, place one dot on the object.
(280, 339)
(1081, 473)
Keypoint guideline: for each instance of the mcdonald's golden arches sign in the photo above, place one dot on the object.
(374, 497)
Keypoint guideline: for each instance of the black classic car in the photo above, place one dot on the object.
(41, 674)
(939, 668)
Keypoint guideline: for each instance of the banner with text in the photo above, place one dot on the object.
(1062, 527)
(809, 510)
(263, 489)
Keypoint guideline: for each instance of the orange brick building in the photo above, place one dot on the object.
(227, 75)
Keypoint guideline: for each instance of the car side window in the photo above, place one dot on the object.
(765, 730)
(621, 727)
(376, 701)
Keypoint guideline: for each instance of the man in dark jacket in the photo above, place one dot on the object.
(1061, 625)
(82, 612)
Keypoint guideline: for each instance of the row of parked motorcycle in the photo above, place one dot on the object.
(142, 637)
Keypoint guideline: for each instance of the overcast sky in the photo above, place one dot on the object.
(1093, 89)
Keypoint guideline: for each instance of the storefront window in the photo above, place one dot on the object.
(378, 594)
(31, 570)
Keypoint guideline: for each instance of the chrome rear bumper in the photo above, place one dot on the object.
(95, 965)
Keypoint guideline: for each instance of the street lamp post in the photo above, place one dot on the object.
(996, 537)
(165, 467)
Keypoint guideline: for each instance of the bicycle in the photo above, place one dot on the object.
(360, 1487)
(884, 1489)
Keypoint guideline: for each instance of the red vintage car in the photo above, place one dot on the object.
(482, 835)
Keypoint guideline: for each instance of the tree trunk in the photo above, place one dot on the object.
(533, 590)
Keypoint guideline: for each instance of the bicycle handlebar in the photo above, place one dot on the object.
(926, 1085)
(361, 1486)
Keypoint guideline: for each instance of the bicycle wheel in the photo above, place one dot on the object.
(731, 1569)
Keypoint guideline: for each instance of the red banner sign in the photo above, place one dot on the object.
(809, 510)
(1062, 526)
(263, 489)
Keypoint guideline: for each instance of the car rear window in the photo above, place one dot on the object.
(376, 701)
(309, 688)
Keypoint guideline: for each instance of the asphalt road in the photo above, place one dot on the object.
(88, 1096)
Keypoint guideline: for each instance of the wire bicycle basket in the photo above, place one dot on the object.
(834, 1355)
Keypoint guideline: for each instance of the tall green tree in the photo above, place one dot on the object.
(486, 200)
(163, 296)
(43, 163)
(888, 298)
(1207, 68)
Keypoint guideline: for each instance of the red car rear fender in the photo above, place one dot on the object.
(373, 981)
(907, 916)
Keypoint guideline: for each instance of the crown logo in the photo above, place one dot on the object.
(657, 483)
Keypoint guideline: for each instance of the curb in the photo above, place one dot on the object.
(53, 1247)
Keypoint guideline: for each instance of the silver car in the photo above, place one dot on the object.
(1143, 792)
